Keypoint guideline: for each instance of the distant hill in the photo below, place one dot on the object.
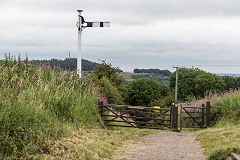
(153, 71)
(68, 63)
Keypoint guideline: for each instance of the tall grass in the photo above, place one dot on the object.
(222, 138)
(230, 112)
(229, 103)
(40, 104)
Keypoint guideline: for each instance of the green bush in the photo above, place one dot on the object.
(110, 82)
(111, 92)
(143, 91)
(164, 102)
(109, 72)
(195, 82)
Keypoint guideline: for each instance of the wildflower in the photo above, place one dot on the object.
(81, 79)
(26, 58)
(210, 93)
(19, 87)
(69, 73)
(206, 93)
(235, 90)
(110, 108)
(19, 59)
(125, 115)
(92, 86)
(225, 95)
(97, 91)
(104, 100)
(44, 66)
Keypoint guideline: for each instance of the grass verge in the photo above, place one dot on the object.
(94, 144)
(219, 141)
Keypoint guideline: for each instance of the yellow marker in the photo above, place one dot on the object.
(157, 107)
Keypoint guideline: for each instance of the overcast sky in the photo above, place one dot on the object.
(143, 33)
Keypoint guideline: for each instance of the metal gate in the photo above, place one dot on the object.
(156, 117)
(136, 116)
(192, 117)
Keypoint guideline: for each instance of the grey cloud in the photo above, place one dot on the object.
(153, 33)
(138, 11)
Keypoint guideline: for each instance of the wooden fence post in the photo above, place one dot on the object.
(174, 117)
(208, 112)
(100, 107)
(181, 112)
(203, 119)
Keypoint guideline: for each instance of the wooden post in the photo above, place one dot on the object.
(208, 112)
(181, 118)
(203, 119)
(100, 107)
(176, 84)
(174, 115)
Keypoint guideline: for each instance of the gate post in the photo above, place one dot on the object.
(174, 117)
(203, 119)
(181, 111)
(208, 112)
(100, 107)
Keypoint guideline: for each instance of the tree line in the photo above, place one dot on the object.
(196, 82)
(192, 83)
(138, 92)
(67, 64)
(153, 71)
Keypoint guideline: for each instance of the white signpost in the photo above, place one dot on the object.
(82, 24)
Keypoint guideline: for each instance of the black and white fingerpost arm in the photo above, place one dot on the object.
(83, 24)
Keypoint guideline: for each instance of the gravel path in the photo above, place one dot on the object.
(164, 146)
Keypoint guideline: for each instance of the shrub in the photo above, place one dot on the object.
(111, 92)
(110, 82)
(109, 72)
(163, 102)
(143, 91)
(194, 82)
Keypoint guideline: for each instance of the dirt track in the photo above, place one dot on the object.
(164, 146)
